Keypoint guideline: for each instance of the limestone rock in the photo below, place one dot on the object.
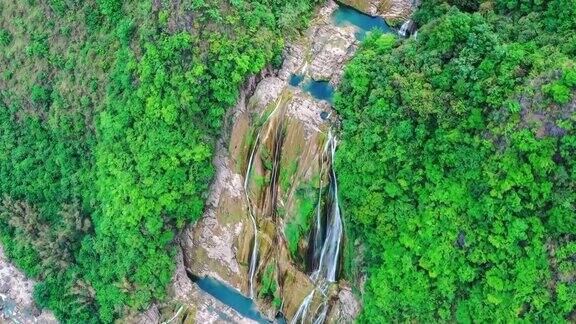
(294, 60)
(392, 10)
(266, 93)
(345, 308)
(16, 302)
(331, 47)
(306, 111)
(209, 245)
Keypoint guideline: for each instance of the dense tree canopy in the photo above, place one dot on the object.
(109, 110)
(458, 164)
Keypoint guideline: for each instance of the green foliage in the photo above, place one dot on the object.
(287, 173)
(110, 110)
(5, 37)
(458, 198)
(111, 8)
(53, 244)
(268, 284)
(560, 90)
(299, 224)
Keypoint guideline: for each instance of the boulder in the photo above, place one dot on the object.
(345, 307)
(331, 47)
(394, 11)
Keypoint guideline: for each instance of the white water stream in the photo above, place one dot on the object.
(254, 254)
(407, 28)
(327, 265)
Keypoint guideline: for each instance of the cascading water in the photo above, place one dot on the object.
(318, 236)
(331, 249)
(407, 28)
(327, 264)
(254, 254)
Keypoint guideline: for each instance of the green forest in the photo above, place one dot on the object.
(458, 164)
(109, 111)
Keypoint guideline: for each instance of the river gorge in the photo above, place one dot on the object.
(273, 230)
(270, 245)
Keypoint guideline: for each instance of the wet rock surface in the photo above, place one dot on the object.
(283, 126)
(332, 46)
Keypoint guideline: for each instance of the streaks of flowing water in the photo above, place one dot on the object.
(254, 253)
(253, 219)
(327, 265)
(331, 249)
(303, 309)
(407, 28)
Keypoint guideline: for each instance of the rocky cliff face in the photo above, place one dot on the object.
(394, 11)
(16, 303)
(284, 129)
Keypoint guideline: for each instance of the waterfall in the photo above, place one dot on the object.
(254, 254)
(318, 237)
(322, 317)
(327, 265)
(406, 28)
(328, 262)
(276, 166)
(303, 309)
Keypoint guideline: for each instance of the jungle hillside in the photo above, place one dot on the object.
(454, 153)
(457, 165)
(109, 111)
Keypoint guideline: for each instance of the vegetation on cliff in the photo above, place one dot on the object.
(457, 164)
(109, 111)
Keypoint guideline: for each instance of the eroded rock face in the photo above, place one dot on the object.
(283, 128)
(345, 308)
(16, 302)
(324, 50)
(394, 11)
(332, 46)
(209, 245)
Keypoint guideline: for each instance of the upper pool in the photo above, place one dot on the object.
(321, 90)
(344, 16)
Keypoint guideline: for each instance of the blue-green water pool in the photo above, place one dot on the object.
(344, 16)
(321, 90)
(230, 297)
